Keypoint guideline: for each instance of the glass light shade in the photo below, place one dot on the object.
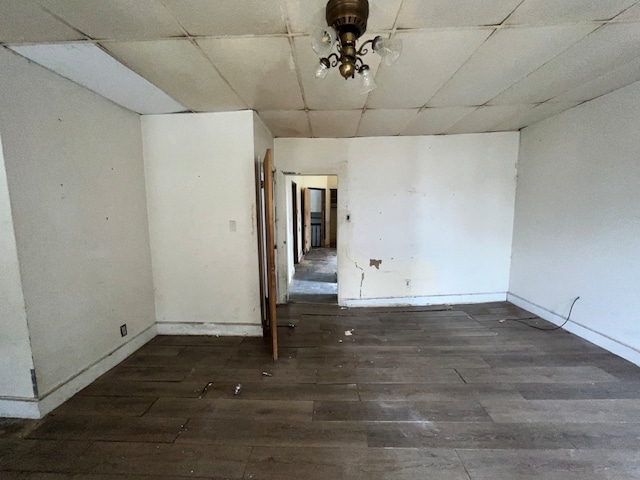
(388, 49)
(322, 70)
(367, 83)
(323, 40)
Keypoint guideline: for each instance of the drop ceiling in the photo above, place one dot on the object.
(467, 66)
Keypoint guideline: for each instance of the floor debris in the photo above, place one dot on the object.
(348, 333)
(236, 391)
(266, 374)
(204, 390)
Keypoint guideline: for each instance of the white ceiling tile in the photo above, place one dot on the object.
(260, 69)
(382, 123)
(505, 58)
(436, 121)
(554, 12)
(117, 19)
(180, 69)
(332, 92)
(540, 112)
(612, 80)
(632, 13)
(454, 13)
(306, 15)
(286, 123)
(26, 21)
(428, 60)
(335, 123)
(606, 48)
(485, 118)
(229, 17)
(89, 66)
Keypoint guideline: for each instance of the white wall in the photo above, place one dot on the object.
(577, 220)
(200, 172)
(76, 183)
(15, 348)
(437, 211)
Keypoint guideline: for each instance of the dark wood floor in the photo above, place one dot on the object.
(410, 394)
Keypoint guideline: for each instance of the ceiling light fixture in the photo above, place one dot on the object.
(346, 23)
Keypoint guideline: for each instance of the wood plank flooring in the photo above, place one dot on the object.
(445, 393)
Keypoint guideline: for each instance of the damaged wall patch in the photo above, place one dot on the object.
(375, 263)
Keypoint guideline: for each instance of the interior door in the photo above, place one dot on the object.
(323, 224)
(262, 246)
(306, 219)
(271, 251)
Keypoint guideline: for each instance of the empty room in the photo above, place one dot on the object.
(322, 239)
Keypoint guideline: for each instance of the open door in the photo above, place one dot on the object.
(270, 251)
(306, 220)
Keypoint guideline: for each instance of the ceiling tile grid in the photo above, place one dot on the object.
(436, 121)
(383, 123)
(553, 12)
(606, 48)
(467, 66)
(116, 19)
(504, 59)
(428, 60)
(25, 21)
(180, 69)
(261, 69)
(287, 123)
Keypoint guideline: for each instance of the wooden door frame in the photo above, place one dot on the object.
(306, 220)
(323, 218)
(294, 204)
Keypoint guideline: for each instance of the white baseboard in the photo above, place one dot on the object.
(428, 300)
(597, 338)
(19, 408)
(221, 329)
(38, 408)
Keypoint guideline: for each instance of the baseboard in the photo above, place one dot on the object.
(597, 338)
(19, 408)
(427, 300)
(221, 329)
(60, 394)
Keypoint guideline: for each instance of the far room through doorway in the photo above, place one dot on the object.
(313, 232)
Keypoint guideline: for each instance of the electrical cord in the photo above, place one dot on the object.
(521, 320)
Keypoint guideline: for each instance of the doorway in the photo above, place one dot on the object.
(314, 235)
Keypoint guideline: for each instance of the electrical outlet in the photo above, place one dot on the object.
(123, 330)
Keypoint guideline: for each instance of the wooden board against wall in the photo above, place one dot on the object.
(271, 250)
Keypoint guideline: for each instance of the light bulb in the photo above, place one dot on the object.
(323, 40)
(323, 68)
(388, 49)
(367, 83)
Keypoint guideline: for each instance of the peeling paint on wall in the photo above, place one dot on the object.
(375, 263)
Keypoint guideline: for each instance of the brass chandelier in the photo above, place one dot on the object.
(346, 23)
